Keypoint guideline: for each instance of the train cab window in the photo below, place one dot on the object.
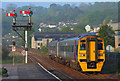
(100, 46)
(99, 40)
(82, 46)
(38, 44)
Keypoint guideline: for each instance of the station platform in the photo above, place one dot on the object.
(28, 71)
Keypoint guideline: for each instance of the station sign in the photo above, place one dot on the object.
(109, 48)
(23, 52)
(13, 48)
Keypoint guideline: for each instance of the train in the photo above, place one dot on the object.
(85, 53)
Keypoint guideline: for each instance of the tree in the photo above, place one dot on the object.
(79, 29)
(66, 29)
(107, 34)
(29, 38)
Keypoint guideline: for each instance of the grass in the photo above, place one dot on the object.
(17, 59)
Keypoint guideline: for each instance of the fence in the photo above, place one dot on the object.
(112, 63)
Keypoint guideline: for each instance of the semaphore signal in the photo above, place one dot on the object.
(26, 28)
(10, 14)
(24, 12)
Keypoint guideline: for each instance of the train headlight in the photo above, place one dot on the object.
(100, 54)
(82, 55)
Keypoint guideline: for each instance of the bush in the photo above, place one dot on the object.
(117, 50)
(44, 49)
(4, 70)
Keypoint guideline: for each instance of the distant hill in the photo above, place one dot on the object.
(92, 14)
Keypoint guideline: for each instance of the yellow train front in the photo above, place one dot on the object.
(91, 53)
(86, 52)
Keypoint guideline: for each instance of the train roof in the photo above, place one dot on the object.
(80, 36)
(77, 38)
(117, 34)
(54, 41)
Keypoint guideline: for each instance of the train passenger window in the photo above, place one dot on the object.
(82, 41)
(82, 47)
(72, 48)
(76, 49)
(100, 46)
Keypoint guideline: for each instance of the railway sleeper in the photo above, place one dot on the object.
(72, 64)
(75, 66)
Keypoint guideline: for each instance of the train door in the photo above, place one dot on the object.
(92, 51)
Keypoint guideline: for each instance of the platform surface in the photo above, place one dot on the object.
(26, 71)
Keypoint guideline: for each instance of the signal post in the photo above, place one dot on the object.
(25, 28)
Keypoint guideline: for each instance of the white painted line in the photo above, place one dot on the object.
(49, 72)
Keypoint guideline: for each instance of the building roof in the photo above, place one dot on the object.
(54, 35)
(98, 26)
(77, 38)
(118, 34)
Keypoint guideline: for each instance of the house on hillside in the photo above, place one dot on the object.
(115, 26)
(52, 25)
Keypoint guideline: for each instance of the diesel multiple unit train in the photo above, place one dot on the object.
(85, 53)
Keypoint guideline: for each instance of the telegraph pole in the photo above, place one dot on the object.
(26, 38)
(26, 46)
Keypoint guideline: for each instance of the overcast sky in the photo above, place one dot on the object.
(46, 3)
(59, 0)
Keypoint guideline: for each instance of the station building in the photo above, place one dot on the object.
(40, 39)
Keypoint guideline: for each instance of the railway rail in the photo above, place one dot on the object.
(53, 69)
(42, 58)
(62, 71)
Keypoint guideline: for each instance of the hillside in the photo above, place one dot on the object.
(92, 14)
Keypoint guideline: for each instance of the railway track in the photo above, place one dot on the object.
(53, 69)
(60, 67)
(63, 71)
(83, 76)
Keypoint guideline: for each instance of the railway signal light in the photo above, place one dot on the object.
(13, 47)
(13, 43)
